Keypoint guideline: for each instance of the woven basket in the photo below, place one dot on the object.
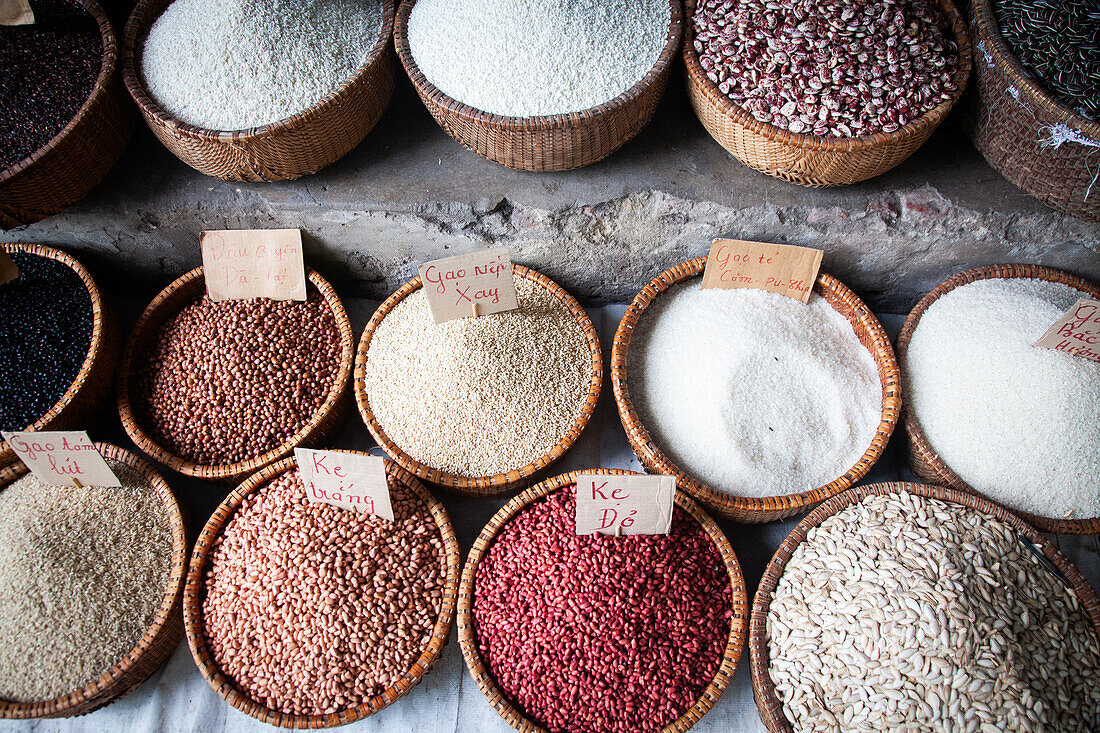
(160, 638)
(66, 168)
(467, 633)
(548, 142)
(501, 482)
(319, 431)
(290, 148)
(807, 159)
(94, 379)
(1012, 120)
(767, 700)
(193, 596)
(923, 458)
(741, 508)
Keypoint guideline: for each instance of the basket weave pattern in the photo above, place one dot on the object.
(501, 482)
(160, 639)
(321, 428)
(467, 632)
(923, 458)
(66, 168)
(1012, 121)
(807, 159)
(740, 508)
(193, 596)
(763, 688)
(551, 142)
(96, 374)
(290, 148)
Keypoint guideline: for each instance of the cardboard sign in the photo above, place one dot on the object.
(254, 263)
(777, 268)
(470, 285)
(350, 481)
(8, 269)
(62, 458)
(1077, 332)
(611, 504)
(16, 12)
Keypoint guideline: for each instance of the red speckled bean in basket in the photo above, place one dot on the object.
(600, 633)
(311, 609)
(228, 381)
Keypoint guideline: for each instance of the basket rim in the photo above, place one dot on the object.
(918, 440)
(767, 701)
(988, 31)
(113, 679)
(535, 123)
(95, 344)
(193, 591)
(467, 637)
(137, 28)
(500, 482)
(101, 88)
(153, 318)
(915, 127)
(643, 444)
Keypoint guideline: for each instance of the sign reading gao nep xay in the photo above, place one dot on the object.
(469, 285)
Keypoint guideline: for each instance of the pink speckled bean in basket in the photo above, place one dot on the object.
(311, 609)
(600, 633)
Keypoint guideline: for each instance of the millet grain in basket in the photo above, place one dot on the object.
(479, 396)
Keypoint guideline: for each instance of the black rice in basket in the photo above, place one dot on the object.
(47, 71)
(1058, 42)
(45, 332)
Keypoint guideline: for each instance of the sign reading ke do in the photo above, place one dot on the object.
(624, 504)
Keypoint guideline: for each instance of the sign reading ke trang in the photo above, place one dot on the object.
(62, 458)
(1077, 332)
(253, 263)
(350, 481)
(612, 504)
(469, 285)
(777, 268)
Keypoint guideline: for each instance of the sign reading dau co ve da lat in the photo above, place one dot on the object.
(614, 504)
(62, 458)
(469, 285)
(254, 263)
(350, 481)
(777, 268)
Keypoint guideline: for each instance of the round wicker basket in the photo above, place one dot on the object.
(1015, 124)
(502, 482)
(767, 701)
(320, 429)
(160, 639)
(804, 159)
(549, 142)
(93, 381)
(740, 508)
(289, 148)
(194, 595)
(66, 168)
(923, 458)
(467, 633)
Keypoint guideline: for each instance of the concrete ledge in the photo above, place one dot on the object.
(409, 193)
